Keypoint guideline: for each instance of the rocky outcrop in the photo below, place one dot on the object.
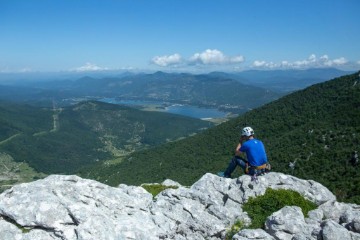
(69, 207)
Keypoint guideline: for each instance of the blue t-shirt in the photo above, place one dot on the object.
(255, 152)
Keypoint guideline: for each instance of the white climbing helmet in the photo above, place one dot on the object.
(247, 131)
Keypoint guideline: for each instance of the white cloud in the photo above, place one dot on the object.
(88, 67)
(312, 58)
(210, 57)
(324, 58)
(237, 59)
(340, 61)
(165, 61)
(311, 62)
(263, 64)
(259, 63)
(214, 56)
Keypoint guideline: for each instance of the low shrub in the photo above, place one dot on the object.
(261, 207)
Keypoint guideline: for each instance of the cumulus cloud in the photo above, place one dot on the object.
(261, 64)
(88, 67)
(311, 61)
(339, 61)
(165, 61)
(214, 57)
(211, 57)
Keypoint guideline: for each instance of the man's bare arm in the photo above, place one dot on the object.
(237, 150)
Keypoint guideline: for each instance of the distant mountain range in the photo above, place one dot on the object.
(284, 80)
(313, 134)
(200, 90)
(231, 92)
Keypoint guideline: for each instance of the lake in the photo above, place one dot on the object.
(181, 109)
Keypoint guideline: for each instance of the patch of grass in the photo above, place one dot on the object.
(261, 207)
(155, 189)
(238, 225)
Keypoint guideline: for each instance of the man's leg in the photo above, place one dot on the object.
(232, 165)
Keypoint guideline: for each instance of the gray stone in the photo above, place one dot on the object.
(39, 235)
(9, 231)
(316, 215)
(68, 205)
(288, 223)
(169, 182)
(334, 210)
(252, 234)
(331, 230)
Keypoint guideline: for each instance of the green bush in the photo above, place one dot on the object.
(155, 189)
(261, 207)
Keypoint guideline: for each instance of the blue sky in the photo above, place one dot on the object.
(178, 35)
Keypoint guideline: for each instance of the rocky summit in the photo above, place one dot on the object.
(69, 207)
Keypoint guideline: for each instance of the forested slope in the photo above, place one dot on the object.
(62, 140)
(317, 128)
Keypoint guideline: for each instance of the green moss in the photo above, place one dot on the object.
(261, 207)
(155, 189)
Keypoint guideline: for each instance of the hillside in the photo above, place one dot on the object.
(61, 140)
(318, 128)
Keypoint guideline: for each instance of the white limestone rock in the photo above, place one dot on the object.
(287, 223)
(257, 234)
(72, 208)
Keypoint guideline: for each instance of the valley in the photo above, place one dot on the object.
(63, 140)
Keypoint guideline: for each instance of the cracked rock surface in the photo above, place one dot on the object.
(69, 207)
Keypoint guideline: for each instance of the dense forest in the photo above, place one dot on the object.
(312, 134)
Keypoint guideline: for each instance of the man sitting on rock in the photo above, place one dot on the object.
(256, 163)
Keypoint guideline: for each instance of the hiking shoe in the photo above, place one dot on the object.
(222, 174)
(268, 167)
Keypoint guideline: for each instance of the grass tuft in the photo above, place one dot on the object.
(155, 189)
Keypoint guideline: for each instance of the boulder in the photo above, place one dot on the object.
(331, 230)
(257, 234)
(287, 223)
